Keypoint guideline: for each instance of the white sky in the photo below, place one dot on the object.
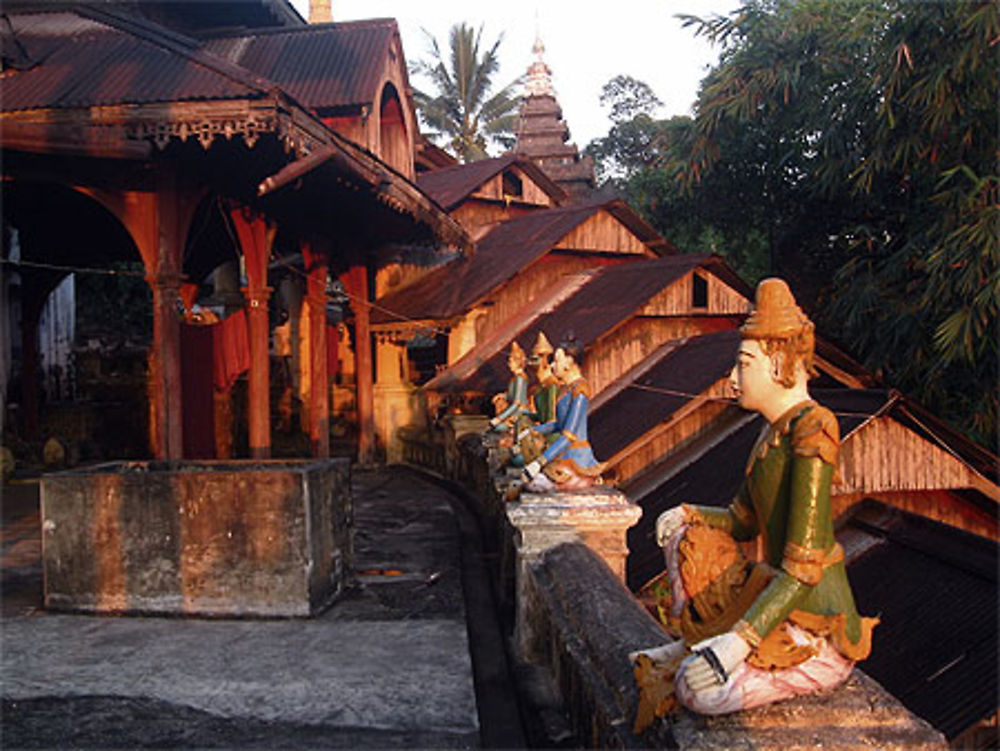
(584, 49)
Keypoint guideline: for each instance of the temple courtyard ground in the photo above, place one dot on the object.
(411, 657)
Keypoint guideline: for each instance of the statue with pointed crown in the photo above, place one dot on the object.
(751, 633)
(567, 463)
(513, 403)
(542, 396)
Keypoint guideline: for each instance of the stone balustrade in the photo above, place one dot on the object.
(575, 623)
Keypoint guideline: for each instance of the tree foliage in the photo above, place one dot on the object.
(463, 110)
(857, 143)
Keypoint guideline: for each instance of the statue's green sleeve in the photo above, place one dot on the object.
(808, 537)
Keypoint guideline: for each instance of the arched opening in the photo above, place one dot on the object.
(395, 148)
(77, 323)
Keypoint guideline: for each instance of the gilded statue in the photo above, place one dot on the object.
(751, 633)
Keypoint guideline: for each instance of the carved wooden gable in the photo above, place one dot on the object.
(513, 185)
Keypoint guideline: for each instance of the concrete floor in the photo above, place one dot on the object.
(389, 666)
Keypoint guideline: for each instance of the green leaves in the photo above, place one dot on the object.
(464, 110)
(858, 142)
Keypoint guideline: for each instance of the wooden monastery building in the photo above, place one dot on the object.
(243, 165)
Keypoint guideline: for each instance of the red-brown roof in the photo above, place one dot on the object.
(456, 287)
(607, 300)
(90, 56)
(452, 185)
(935, 589)
(324, 66)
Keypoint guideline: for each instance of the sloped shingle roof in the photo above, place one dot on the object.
(452, 185)
(92, 57)
(322, 66)
(456, 287)
(603, 303)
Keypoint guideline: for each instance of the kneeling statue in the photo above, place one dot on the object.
(754, 633)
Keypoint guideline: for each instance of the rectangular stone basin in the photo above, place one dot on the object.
(212, 538)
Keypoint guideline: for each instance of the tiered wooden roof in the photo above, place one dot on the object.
(509, 249)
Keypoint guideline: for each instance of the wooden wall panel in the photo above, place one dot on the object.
(677, 299)
(604, 233)
(478, 217)
(886, 456)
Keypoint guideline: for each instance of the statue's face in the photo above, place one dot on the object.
(753, 377)
(543, 370)
(561, 363)
(514, 363)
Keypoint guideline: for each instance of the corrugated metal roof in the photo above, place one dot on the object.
(454, 288)
(452, 185)
(512, 246)
(608, 299)
(322, 66)
(90, 57)
(935, 589)
(690, 369)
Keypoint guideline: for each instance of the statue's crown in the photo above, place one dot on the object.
(776, 314)
(517, 351)
(542, 345)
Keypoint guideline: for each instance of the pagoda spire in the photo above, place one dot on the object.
(539, 74)
(542, 134)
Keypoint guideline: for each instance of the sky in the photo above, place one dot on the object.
(585, 50)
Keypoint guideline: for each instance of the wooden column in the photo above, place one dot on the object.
(356, 283)
(151, 220)
(255, 240)
(158, 221)
(319, 392)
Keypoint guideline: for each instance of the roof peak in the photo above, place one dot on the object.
(539, 82)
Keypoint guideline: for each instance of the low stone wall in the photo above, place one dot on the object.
(584, 623)
(576, 623)
(251, 538)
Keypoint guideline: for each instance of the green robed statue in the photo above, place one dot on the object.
(753, 633)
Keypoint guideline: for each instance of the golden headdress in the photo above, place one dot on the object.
(517, 353)
(542, 345)
(776, 315)
(779, 323)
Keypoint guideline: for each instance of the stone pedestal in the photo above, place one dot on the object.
(598, 517)
(396, 406)
(258, 538)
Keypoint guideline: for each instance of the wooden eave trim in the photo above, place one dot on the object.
(842, 375)
(389, 328)
(636, 372)
(657, 474)
(712, 393)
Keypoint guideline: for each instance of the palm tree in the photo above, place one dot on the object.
(463, 110)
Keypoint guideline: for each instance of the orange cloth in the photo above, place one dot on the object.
(230, 350)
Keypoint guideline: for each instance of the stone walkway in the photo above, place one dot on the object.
(389, 666)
